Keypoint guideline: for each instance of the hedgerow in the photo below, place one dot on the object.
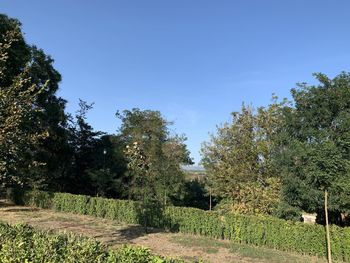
(260, 231)
(22, 243)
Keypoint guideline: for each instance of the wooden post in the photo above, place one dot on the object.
(210, 199)
(327, 227)
(165, 197)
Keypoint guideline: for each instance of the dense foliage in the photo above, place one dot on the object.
(314, 146)
(239, 160)
(29, 107)
(262, 231)
(21, 243)
(281, 159)
(154, 155)
(18, 114)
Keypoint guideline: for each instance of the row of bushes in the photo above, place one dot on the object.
(261, 231)
(21, 243)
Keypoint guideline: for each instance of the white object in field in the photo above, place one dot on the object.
(309, 218)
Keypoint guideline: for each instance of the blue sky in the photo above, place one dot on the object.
(195, 61)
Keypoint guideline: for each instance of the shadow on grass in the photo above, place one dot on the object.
(5, 203)
(10, 207)
(126, 235)
(21, 209)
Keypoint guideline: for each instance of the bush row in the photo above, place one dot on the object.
(21, 243)
(260, 231)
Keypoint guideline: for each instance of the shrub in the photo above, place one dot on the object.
(15, 194)
(288, 212)
(22, 243)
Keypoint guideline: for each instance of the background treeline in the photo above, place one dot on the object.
(44, 147)
(281, 159)
(276, 160)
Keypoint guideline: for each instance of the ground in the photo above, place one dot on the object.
(112, 233)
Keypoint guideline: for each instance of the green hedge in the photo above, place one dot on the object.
(21, 243)
(261, 231)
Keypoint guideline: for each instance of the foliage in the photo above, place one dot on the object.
(288, 212)
(239, 159)
(29, 83)
(256, 230)
(195, 195)
(315, 145)
(108, 168)
(18, 132)
(154, 165)
(102, 181)
(84, 141)
(21, 243)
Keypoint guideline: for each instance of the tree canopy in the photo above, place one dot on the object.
(239, 159)
(18, 114)
(32, 71)
(315, 145)
(162, 153)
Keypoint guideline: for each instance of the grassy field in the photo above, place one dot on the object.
(114, 234)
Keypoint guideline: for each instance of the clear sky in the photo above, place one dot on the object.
(194, 60)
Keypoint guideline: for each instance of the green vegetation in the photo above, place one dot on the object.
(210, 245)
(239, 160)
(282, 159)
(33, 123)
(314, 147)
(277, 160)
(22, 243)
(18, 93)
(260, 231)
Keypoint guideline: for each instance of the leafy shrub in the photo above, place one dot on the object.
(21, 243)
(15, 194)
(288, 212)
(129, 254)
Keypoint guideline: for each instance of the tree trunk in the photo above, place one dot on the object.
(327, 227)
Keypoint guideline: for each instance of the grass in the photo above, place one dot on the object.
(210, 245)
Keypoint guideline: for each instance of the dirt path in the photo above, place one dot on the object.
(115, 234)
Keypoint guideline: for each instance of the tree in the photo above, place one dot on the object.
(195, 195)
(54, 150)
(315, 146)
(109, 167)
(239, 160)
(41, 76)
(84, 141)
(164, 153)
(19, 129)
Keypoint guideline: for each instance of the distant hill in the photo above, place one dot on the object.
(193, 168)
(194, 172)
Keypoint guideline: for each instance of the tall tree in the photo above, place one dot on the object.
(238, 160)
(55, 150)
(19, 129)
(44, 79)
(109, 167)
(315, 145)
(84, 141)
(164, 153)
